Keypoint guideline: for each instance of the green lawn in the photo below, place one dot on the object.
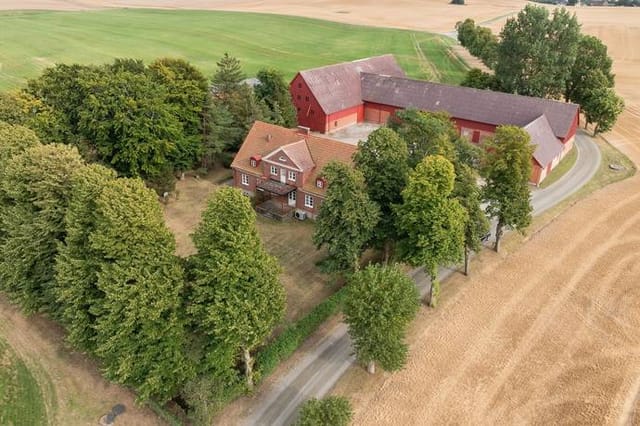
(561, 169)
(20, 397)
(31, 41)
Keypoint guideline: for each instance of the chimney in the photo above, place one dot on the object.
(303, 130)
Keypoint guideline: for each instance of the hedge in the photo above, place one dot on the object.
(294, 335)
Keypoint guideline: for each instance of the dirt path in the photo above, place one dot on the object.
(74, 392)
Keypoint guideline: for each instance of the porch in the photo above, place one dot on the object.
(273, 200)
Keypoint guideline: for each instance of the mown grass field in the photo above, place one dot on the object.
(20, 397)
(31, 41)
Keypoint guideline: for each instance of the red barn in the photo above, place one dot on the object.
(372, 89)
(329, 98)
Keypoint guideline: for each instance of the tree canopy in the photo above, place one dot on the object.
(236, 297)
(329, 411)
(36, 187)
(273, 90)
(506, 169)
(430, 220)
(380, 303)
(347, 217)
(383, 160)
(140, 332)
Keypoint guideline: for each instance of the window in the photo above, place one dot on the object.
(244, 179)
(253, 162)
(319, 183)
(274, 170)
(292, 196)
(308, 201)
(306, 98)
(292, 175)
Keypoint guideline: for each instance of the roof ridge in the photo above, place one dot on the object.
(435, 83)
(346, 62)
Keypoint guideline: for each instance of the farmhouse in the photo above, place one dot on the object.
(282, 168)
(371, 90)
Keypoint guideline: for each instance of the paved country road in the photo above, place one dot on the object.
(318, 371)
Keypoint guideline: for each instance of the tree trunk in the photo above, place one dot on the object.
(595, 129)
(371, 367)
(387, 251)
(428, 296)
(467, 261)
(498, 235)
(248, 368)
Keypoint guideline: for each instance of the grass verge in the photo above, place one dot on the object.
(603, 177)
(21, 400)
(32, 41)
(561, 169)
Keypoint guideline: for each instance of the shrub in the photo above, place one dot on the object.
(330, 411)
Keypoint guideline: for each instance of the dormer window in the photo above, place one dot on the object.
(320, 183)
(254, 161)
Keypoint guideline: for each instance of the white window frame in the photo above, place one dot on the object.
(292, 196)
(244, 179)
(308, 201)
(319, 183)
(274, 171)
(254, 162)
(292, 175)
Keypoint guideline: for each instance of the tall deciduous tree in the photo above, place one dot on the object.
(467, 192)
(380, 302)
(273, 90)
(383, 160)
(236, 297)
(593, 58)
(431, 221)
(140, 333)
(479, 41)
(536, 53)
(36, 186)
(602, 106)
(187, 90)
(77, 264)
(132, 127)
(506, 169)
(426, 133)
(329, 411)
(347, 217)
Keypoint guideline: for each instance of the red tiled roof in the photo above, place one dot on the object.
(265, 138)
(337, 87)
(548, 147)
(483, 106)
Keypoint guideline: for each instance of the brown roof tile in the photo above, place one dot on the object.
(321, 151)
(547, 145)
(483, 106)
(337, 87)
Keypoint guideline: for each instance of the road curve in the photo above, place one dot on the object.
(318, 371)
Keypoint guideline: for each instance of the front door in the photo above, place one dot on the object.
(283, 175)
(292, 198)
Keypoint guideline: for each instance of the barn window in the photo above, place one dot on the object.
(306, 98)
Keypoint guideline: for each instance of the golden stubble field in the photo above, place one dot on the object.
(549, 333)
